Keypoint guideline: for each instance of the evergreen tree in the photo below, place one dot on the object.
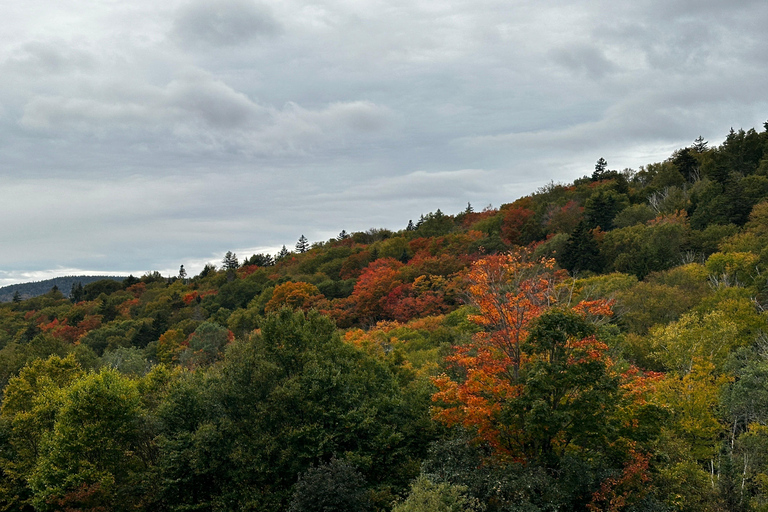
(282, 254)
(601, 168)
(699, 145)
(231, 265)
(410, 226)
(302, 245)
(77, 293)
(208, 269)
(230, 261)
(260, 260)
(182, 273)
(581, 252)
(17, 296)
(343, 235)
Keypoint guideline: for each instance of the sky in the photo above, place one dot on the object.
(144, 135)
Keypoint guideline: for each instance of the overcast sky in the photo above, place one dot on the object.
(143, 135)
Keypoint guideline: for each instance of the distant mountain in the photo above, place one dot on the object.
(35, 288)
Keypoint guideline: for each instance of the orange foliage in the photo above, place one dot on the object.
(617, 492)
(137, 290)
(298, 295)
(510, 291)
(373, 286)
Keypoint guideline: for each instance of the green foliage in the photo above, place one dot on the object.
(332, 487)
(286, 399)
(178, 394)
(642, 249)
(426, 496)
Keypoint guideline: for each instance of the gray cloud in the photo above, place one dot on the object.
(146, 134)
(223, 23)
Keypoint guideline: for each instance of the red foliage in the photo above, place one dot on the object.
(617, 492)
(518, 226)
(137, 290)
(374, 284)
(194, 295)
(247, 270)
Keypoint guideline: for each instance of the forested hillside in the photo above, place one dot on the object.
(600, 345)
(65, 283)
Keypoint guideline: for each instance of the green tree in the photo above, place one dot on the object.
(581, 252)
(230, 264)
(286, 399)
(333, 487)
(96, 454)
(427, 496)
(30, 402)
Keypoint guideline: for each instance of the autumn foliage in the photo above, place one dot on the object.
(512, 292)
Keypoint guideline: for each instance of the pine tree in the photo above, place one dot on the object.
(282, 254)
(231, 265)
(700, 145)
(77, 293)
(410, 226)
(302, 245)
(182, 273)
(469, 208)
(17, 296)
(600, 169)
(343, 235)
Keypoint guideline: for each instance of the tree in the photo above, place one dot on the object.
(288, 398)
(260, 260)
(410, 226)
(699, 145)
(298, 295)
(96, 451)
(230, 264)
(182, 273)
(600, 169)
(581, 252)
(77, 293)
(333, 487)
(282, 254)
(17, 296)
(427, 496)
(208, 270)
(302, 245)
(343, 235)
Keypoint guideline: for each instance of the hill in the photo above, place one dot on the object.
(597, 345)
(36, 288)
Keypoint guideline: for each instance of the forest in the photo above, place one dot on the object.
(600, 345)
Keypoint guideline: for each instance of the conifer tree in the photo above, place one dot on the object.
(302, 245)
(230, 265)
(700, 145)
(77, 293)
(282, 254)
(600, 169)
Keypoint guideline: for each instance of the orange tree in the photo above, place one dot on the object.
(537, 385)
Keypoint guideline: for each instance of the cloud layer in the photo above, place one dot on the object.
(144, 135)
